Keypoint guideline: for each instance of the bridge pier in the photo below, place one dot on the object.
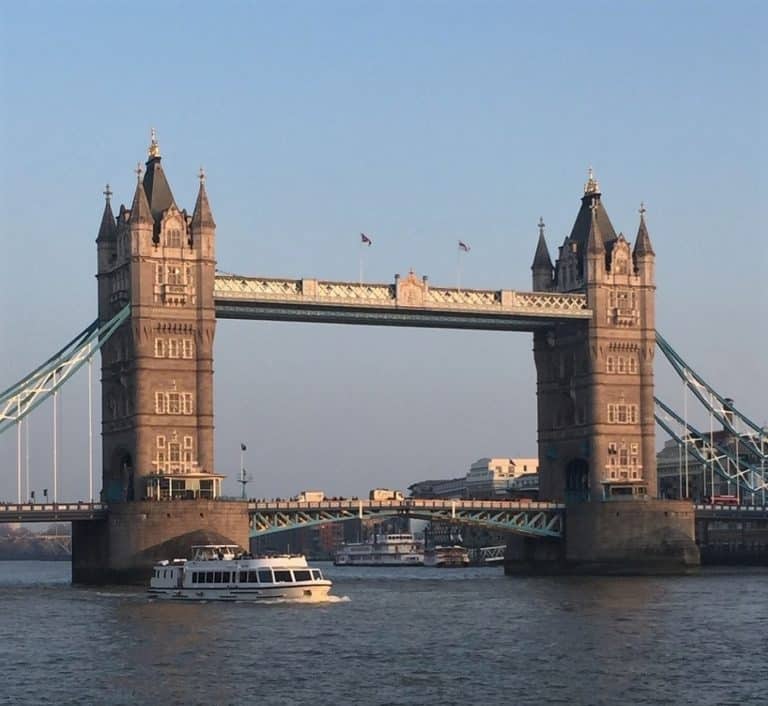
(613, 537)
(122, 548)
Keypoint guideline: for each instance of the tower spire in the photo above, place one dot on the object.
(140, 212)
(541, 259)
(202, 216)
(107, 229)
(592, 186)
(595, 244)
(643, 241)
(154, 147)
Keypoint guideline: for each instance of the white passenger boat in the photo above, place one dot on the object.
(222, 572)
(382, 550)
(446, 556)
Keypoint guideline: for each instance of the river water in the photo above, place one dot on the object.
(393, 636)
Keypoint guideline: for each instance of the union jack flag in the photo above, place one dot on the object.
(463, 246)
(365, 239)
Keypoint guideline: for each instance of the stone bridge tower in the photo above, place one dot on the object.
(595, 381)
(157, 370)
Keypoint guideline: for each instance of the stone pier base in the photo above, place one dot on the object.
(123, 548)
(613, 537)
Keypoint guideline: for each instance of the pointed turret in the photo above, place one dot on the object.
(592, 195)
(542, 263)
(643, 241)
(202, 216)
(595, 243)
(108, 228)
(156, 185)
(140, 212)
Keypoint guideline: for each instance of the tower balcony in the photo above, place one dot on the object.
(173, 293)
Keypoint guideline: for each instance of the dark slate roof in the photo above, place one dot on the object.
(140, 212)
(580, 231)
(643, 241)
(157, 189)
(541, 259)
(202, 215)
(108, 228)
(595, 240)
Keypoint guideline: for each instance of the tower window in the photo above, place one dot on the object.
(189, 347)
(160, 407)
(173, 238)
(159, 348)
(609, 365)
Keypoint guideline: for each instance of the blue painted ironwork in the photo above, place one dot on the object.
(520, 517)
(34, 388)
(726, 464)
(724, 412)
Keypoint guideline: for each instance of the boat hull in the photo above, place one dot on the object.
(309, 593)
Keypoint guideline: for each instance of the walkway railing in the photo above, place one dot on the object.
(48, 512)
(528, 518)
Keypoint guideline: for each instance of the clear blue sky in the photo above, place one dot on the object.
(419, 123)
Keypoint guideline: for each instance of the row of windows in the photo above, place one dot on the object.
(173, 403)
(174, 348)
(622, 414)
(621, 364)
(624, 299)
(172, 274)
(161, 442)
(260, 576)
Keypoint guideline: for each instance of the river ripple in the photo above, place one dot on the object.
(396, 636)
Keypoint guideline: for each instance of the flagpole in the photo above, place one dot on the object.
(360, 270)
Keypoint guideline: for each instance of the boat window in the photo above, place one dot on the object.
(252, 577)
(194, 578)
(303, 575)
(283, 576)
(243, 577)
(225, 577)
(265, 576)
(316, 575)
(209, 577)
(217, 576)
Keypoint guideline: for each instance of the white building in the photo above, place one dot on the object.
(491, 477)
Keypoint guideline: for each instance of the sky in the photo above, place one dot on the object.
(419, 123)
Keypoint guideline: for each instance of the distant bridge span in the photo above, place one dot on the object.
(528, 518)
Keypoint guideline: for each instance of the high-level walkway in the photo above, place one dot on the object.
(408, 301)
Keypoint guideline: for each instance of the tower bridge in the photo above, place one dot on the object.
(592, 315)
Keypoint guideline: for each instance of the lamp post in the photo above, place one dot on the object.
(243, 480)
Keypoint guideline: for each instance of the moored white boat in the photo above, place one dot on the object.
(222, 572)
(382, 550)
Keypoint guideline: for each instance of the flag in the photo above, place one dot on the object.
(365, 239)
(463, 246)
(243, 447)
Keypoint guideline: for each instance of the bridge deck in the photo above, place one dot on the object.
(406, 302)
(524, 517)
(51, 512)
